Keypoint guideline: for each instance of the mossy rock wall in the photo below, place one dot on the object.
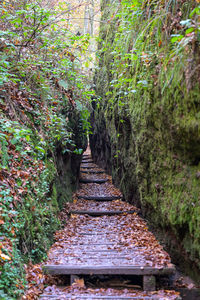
(39, 171)
(146, 119)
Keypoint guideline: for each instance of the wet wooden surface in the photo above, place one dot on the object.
(93, 180)
(115, 241)
(92, 172)
(99, 198)
(131, 246)
(99, 213)
(106, 294)
(106, 270)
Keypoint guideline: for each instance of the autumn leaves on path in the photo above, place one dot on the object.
(104, 236)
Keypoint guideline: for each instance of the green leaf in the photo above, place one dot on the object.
(40, 149)
(78, 151)
(63, 84)
(66, 151)
(195, 11)
(176, 38)
(189, 30)
(14, 141)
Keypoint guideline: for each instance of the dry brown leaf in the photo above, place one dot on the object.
(79, 283)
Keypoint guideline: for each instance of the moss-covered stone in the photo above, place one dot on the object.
(146, 124)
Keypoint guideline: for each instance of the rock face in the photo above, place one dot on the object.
(39, 170)
(68, 164)
(146, 117)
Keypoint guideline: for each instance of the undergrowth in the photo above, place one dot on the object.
(42, 93)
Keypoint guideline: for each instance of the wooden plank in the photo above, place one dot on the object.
(87, 180)
(100, 198)
(86, 251)
(93, 251)
(96, 233)
(85, 161)
(87, 167)
(109, 258)
(100, 213)
(105, 251)
(93, 297)
(107, 270)
(90, 244)
(92, 172)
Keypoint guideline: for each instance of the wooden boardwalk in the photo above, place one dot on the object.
(105, 236)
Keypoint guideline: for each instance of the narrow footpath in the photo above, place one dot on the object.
(105, 250)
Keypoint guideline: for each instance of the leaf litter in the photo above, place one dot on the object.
(106, 240)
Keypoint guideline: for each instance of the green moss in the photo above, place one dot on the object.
(150, 113)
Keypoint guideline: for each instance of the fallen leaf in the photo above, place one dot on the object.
(79, 283)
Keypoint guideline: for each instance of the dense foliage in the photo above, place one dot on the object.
(43, 117)
(146, 120)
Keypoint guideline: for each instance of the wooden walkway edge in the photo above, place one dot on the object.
(99, 198)
(101, 213)
(92, 297)
(87, 180)
(105, 270)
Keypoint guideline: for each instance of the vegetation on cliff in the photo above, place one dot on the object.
(43, 129)
(147, 113)
(145, 120)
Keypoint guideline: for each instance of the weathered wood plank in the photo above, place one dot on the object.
(92, 297)
(120, 259)
(87, 251)
(100, 213)
(85, 161)
(87, 167)
(87, 180)
(91, 244)
(99, 198)
(107, 251)
(96, 233)
(83, 243)
(106, 270)
(92, 172)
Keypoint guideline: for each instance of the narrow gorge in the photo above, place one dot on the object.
(100, 149)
